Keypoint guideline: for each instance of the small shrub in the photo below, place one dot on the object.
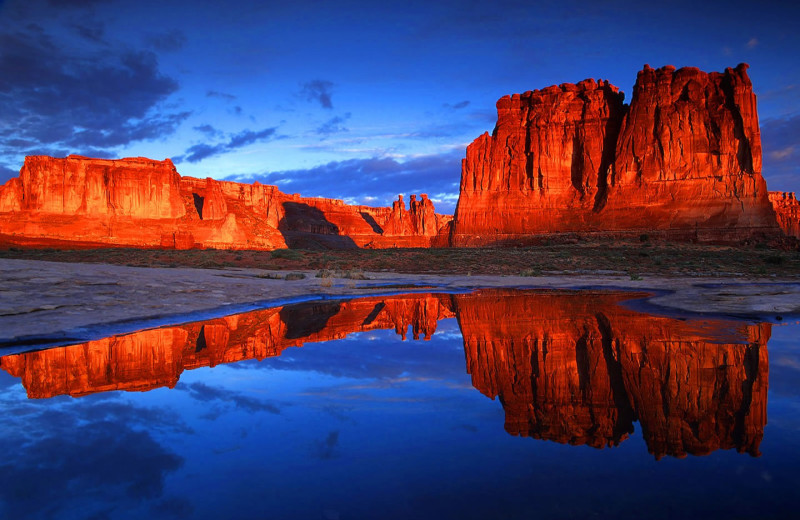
(774, 259)
(324, 273)
(355, 274)
(269, 276)
(326, 282)
(531, 272)
(287, 254)
(635, 277)
(295, 276)
(644, 237)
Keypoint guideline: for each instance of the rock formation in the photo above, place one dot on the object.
(683, 160)
(787, 208)
(143, 203)
(566, 367)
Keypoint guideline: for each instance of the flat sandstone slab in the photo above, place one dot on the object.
(75, 301)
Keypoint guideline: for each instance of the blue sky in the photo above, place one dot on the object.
(352, 100)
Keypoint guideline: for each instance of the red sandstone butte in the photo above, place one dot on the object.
(787, 208)
(683, 160)
(140, 202)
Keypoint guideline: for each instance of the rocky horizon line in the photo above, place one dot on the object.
(682, 161)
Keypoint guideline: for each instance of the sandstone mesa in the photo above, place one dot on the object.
(682, 161)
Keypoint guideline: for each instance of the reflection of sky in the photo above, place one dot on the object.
(366, 427)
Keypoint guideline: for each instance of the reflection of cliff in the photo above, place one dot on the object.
(154, 358)
(580, 369)
(569, 367)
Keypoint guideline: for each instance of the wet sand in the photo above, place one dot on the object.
(58, 302)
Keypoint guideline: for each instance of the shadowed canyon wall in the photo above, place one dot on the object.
(144, 203)
(566, 367)
(683, 160)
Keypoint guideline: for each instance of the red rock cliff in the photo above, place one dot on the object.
(546, 161)
(683, 160)
(787, 208)
(143, 203)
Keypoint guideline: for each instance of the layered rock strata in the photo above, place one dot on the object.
(566, 367)
(787, 209)
(683, 160)
(144, 203)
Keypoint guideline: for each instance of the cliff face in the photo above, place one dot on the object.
(566, 367)
(546, 160)
(139, 188)
(787, 208)
(143, 203)
(683, 160)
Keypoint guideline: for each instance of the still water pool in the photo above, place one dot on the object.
(493, 404)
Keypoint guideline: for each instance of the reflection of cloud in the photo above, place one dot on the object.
(205, 393)
(175, 507)
(326, 449)
(67, 450)
(752, 43)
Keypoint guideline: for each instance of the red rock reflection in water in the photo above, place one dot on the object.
(569, 367)
(580, 369)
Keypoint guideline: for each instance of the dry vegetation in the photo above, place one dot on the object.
(636, 259)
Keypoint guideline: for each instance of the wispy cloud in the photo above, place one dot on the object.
(374, 181)
(318, 90)
(220, 95)
(202, 151)
(334, 125)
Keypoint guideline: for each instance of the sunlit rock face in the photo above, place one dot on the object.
(787, 208)
(572, 368)
(144, 203)
(683, 160)
(545, 161)
(581, 369)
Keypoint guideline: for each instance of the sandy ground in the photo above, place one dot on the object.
(45, 303)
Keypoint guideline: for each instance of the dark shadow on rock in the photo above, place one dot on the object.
(198, 204)
(305, 227)
(371, 221)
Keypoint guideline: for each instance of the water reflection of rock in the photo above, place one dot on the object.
(580, 369)
(569, 367)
